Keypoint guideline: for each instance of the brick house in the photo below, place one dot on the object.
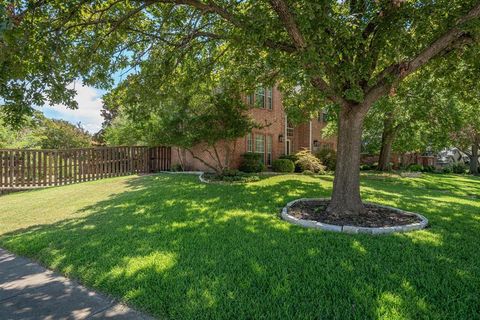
(276, 138)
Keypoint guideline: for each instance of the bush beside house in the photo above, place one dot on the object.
(283, 165)
(308, 162)
(252, 162)
(292, 158)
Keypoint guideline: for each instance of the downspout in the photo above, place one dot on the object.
(285, 136)
(310, 137)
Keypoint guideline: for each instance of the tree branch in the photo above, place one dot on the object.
(454, 37)
(323, 86)
(208, 7)
(288, 21)
(202, 161)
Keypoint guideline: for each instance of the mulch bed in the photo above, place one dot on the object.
(375, 216)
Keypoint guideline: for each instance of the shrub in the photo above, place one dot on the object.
(328, 157)
(307, 161)
(283, 165)
(252, 162)
(239, 178)
(292, 158)
(459, 168)
(415, 168)
(430, 169)
(447, 169)
(230, 172)
(308, 173)
(365, 167)
(231, 175)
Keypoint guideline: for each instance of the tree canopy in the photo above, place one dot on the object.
(349, 53)
(39, 132)
(349, 50)
(433, 109)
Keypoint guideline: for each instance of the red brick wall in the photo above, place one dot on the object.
(372, 159)
(404, 159)
(324, 142)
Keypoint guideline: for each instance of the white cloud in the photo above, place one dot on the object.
(88, 113)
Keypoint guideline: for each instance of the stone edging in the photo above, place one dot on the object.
(202, 179)
(352, 229)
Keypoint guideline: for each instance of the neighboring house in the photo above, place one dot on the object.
(451, 156)
(276, 138)
(444, 158)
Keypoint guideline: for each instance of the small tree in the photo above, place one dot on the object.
(199, 122)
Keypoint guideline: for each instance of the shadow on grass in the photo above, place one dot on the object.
(184, 250)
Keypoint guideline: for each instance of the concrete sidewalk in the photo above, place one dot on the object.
(29, 291)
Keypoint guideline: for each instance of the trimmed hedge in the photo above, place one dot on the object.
(231, 176)
(292, 158)
(283, 165)
(252, 162)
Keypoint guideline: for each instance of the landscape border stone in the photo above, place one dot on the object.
(352, 229)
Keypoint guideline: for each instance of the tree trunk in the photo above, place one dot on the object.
(388, 136)
(385, 152)
(346, 185)
(474, 159)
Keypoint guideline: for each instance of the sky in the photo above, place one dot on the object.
(89, 101)
(88, 113)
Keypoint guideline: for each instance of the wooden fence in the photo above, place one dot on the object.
(25, 169)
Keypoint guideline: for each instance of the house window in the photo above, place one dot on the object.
(250, 99)
(289, 130)
(260, 98)
(269, 98)
(327, 145)
(269, 151)
(260, 145)
(249, 143)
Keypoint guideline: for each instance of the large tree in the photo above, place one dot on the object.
(349, 53)
(418, 116)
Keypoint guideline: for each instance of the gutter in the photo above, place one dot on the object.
(310, 138)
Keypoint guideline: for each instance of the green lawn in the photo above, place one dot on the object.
(179, 249)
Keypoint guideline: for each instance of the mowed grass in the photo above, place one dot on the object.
(179, 249)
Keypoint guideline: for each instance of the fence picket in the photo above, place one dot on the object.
(41, 168)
